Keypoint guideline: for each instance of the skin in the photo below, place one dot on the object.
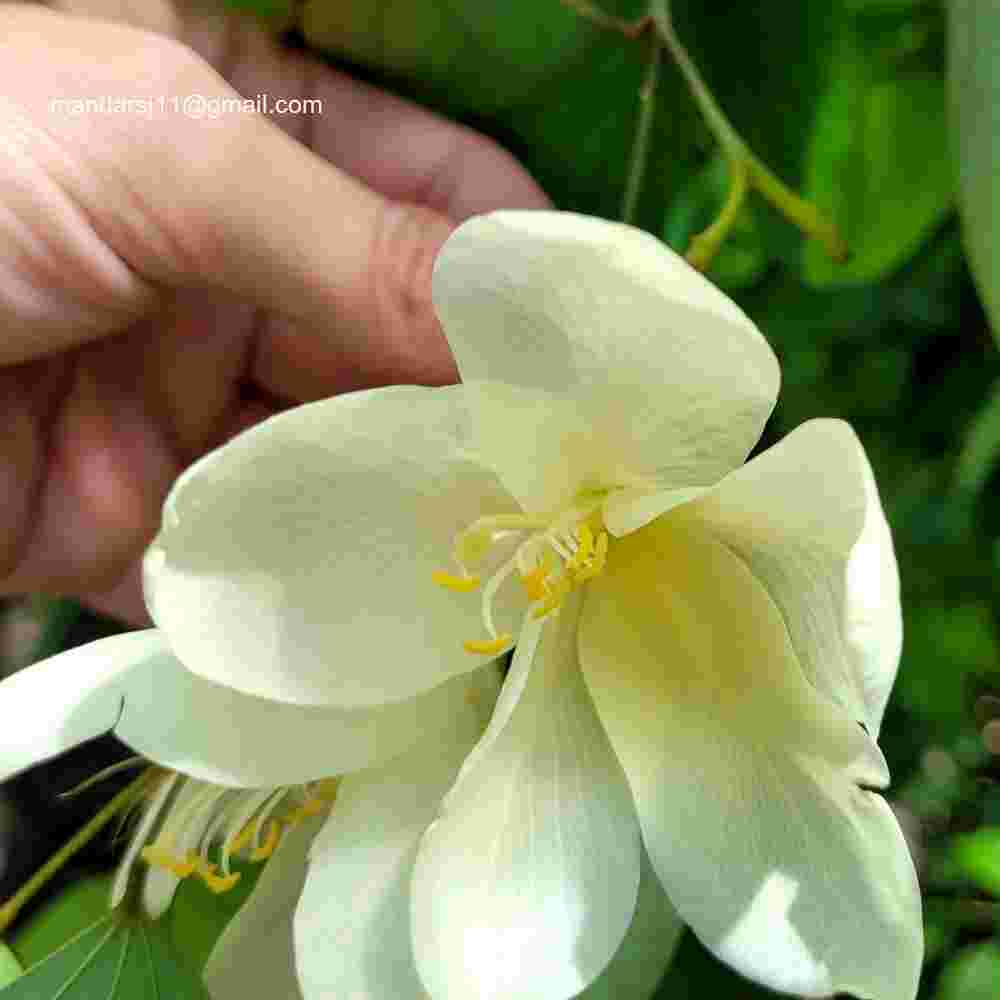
(167, 281)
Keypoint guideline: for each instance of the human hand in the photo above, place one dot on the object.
(167, 281)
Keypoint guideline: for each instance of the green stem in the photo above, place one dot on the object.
(643, 131)
(124, 799)
(706, 244)
(747, 170)
(718, 123)
(796, 209)
(592, 13)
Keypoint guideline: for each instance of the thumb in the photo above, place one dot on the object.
(260, 216)
(189, 187)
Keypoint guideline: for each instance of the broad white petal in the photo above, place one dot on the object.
(805, 517)
(626, 511)
(752, 789)
(132, 685)
(59, 703)
(527, 883)
(621, 354)
(255, 955)
(648, 947)
(352, 926)
(295, 562)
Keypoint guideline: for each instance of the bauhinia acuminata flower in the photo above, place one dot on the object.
(703, 652)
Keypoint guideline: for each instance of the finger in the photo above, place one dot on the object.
(400, 149)
(407, 154)
(86, 485)
(395, 146)
(231, 202)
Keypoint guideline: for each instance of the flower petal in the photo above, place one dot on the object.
(648, 947)
(805, 517)
(527, 883)
(131, 684)
(254, 956)
(633, 359)
(752, 789)
(352, 926)
(296, 562)
(61, 702)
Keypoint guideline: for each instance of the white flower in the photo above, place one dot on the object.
(703, 651)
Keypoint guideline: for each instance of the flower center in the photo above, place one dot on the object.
(553, 555)
(203, 819)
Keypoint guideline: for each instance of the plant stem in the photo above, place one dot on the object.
(746, 169)
(706, 244)
(124, 799)
(591, 12)
(643, 131)
(796, 209)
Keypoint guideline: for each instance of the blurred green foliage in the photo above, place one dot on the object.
(845, 99)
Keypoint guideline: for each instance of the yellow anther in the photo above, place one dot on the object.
(217, 883)
(326, 790)
(534, 583)
(311, 807)
(601, 555)
(586, 549)
(488, 647)
(595, 564)
(462, 584)
(265, 850)
(557, 592)
(161, 858)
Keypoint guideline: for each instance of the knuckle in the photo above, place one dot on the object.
(404, 247)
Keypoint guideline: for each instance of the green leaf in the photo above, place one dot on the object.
(978, 856)
(117, 958)
(972, 975)
(558, 91)
(10, 967)
(964, 637)
(82, 904)
(981, 449)
(197, 916)
(974, 94)
(76, 944)
(878, 162)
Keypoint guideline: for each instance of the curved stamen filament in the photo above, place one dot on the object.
(574, 535)
(488, 647)
(460, 584)
(235, 822)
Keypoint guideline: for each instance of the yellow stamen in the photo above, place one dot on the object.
(534, 583)
(311, 807)
(326, 790)
(461, 584)
(217, 883)
(241, 839)
(266, 849)
(557, 594)
(488, 646)
(586, 549)
(595, 564)
(162, 858)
